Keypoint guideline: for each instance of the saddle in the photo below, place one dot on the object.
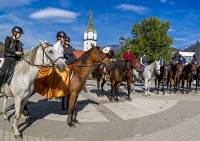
(52, 83)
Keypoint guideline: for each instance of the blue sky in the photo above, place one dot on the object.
(41, 19)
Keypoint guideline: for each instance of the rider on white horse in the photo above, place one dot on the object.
(13, 52)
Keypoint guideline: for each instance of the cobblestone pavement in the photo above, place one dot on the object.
(152, 118)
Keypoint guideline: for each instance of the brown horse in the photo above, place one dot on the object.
(188, 73)
(81, 69)
(122, 70)
(174, 75)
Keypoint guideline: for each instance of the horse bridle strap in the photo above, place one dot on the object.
(43, 65)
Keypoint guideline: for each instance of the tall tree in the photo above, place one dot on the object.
(150, 36)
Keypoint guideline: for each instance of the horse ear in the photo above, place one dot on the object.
(93, 46)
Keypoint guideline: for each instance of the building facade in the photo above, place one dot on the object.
(90, 35)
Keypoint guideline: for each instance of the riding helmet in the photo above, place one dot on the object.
(17, 29)
(67, 39)
(61, 34)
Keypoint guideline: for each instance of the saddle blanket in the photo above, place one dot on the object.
(50, 82)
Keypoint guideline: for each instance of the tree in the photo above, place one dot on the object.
(150, 36)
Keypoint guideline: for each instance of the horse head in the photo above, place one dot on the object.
(157, 67)
(136, 65)
(193, 68)
(49, 56)
(97, 55)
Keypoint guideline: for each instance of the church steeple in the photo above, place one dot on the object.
(90, 35)
(91, 22)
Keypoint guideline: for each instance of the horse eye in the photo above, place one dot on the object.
(51, 51)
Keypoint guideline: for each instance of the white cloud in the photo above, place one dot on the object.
(163, 1)
(135, 8)
(182, 39)
(14, 3)
(55, 15)
(172, 30)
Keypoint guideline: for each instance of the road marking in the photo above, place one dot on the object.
(139, 107)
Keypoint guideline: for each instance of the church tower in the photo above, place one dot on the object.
(90, 35)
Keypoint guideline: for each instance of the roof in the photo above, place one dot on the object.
(186, 53)
(78, 53)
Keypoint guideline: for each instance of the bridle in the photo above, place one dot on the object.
(52, 62)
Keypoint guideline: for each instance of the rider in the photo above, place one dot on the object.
(181, 59)
(109, 53)
(143, 61)
(194, 59)
(128, 55)
(68, 51)
(161, 61)
(59, 45)
(13, 53)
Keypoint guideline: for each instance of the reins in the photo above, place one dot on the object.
(43, 65)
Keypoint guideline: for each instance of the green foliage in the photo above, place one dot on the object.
(151, 37)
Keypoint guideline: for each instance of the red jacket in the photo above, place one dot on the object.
(128, 56)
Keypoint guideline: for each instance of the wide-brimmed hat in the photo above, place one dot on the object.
(106, 49)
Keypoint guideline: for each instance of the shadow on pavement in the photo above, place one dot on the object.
(44, 107)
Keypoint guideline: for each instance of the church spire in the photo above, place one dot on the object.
(91, 22)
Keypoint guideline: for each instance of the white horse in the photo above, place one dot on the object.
(149, 73)
(25, 73)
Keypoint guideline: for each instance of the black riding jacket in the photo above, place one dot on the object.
(11, 46)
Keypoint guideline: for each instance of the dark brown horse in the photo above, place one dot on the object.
(174, 76)
(197, 77)
(122, 70)
(81, 69)
(162, 78)
(188, 74)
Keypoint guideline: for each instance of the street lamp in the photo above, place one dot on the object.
(121, 40)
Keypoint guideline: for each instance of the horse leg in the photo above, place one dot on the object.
(5, 100)
(63, 103)
(102, 84)
(98, 83)
(129, 90)
(146, 87)
(24, 110)
(112, 90)
(183, 86)
(197, 83)
(187, 86)
(18, 109)
(155, 87)
(175, 86)
(72, 100)
(163, 90)
(74, 119)
(117, 84)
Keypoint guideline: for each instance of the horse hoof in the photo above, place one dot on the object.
(5, 117)
(71, 124)
(75, 121)
(18, 136)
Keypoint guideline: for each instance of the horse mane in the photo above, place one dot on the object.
(83, 59)
(22, 66)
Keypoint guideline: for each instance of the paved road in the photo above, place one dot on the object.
(152, 118)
